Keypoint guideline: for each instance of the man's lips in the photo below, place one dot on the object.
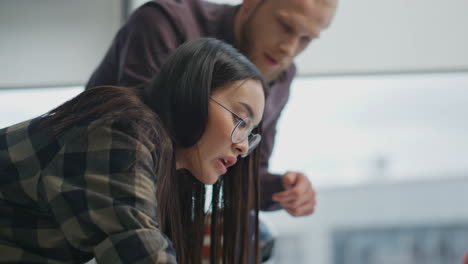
(270, 60)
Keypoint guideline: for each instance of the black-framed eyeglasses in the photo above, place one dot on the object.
(242, 130)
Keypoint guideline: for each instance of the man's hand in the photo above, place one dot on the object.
(299, 197)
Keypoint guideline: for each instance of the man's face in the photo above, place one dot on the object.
(276, 31)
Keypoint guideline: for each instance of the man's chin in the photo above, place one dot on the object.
(271, 76)
(269, 73)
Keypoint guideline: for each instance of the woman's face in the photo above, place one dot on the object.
(215, 152)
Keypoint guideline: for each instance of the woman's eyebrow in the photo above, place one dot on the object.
(248, 108)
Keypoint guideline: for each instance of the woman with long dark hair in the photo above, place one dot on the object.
(119, 174)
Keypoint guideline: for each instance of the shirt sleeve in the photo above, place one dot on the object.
(270, 182)
(139, 48)
(276, 101)
(103, 195)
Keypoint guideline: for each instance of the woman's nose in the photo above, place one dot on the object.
(242, 147)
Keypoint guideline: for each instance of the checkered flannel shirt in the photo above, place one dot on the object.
(88, 193)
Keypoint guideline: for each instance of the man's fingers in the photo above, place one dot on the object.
(299, 199)
(306, 199)
(288, 195)
(306, 209)
(289, 178)
(295, 192)
(293, 178)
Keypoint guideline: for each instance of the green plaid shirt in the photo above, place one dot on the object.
(88, 193)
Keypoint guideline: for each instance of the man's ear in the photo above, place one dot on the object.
(249, 5)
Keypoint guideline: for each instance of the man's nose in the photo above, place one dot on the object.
(288, 45)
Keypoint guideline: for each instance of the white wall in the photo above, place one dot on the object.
(391, 36)
(54, 42)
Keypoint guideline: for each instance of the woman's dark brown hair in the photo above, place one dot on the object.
(172, 112)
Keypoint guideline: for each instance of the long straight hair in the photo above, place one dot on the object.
(193, 73)
(171, 111)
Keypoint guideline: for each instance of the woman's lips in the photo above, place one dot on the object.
(221, 167)
(225, 162)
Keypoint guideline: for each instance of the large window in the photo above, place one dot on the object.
(342, 130)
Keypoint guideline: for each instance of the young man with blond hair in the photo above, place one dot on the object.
(271, 33)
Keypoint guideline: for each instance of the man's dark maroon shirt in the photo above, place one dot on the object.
(155, 30)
